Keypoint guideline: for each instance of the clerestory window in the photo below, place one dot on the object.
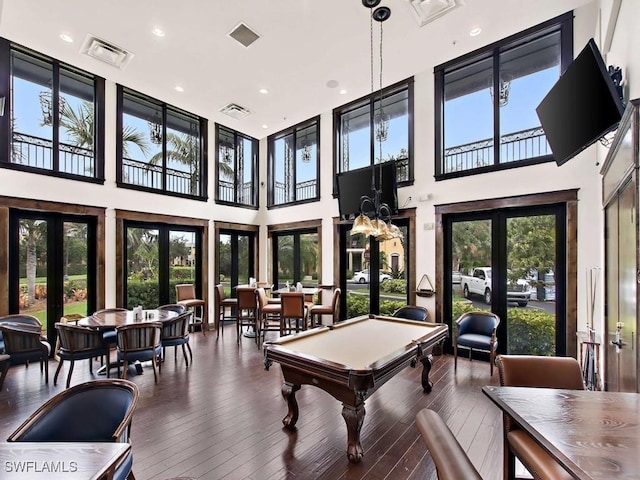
(160, 148)
(55, 120)
(485, 101)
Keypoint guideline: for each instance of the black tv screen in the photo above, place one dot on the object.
(581, 107)
(352, 185)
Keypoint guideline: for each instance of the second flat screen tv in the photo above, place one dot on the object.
(352, 185)
(581, 107)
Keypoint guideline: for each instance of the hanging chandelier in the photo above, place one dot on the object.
(376, 221)
(155, 129)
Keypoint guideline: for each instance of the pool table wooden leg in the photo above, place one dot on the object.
(426, 368)
(289, 393)
(354, 417)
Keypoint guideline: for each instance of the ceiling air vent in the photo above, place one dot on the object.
(243, 35)
(105, 52)
(236, 111)
(428, 10)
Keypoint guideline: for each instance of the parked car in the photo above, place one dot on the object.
(455, 276)
(479, 283)
(363, 276)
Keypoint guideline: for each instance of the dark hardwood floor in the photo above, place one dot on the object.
(221, 418)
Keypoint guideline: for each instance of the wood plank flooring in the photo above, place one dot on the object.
(221, 418)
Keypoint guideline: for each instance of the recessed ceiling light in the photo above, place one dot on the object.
(332, 84)
(178, 88)
(475, 31)
(265, 126)
(343, 91)
(264, 91)
(66, 37)
(158, 32)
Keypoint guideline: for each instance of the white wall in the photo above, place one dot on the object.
(581, 173)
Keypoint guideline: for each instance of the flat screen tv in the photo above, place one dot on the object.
(581, 107)
(352, 185)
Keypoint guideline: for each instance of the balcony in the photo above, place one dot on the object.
(514, 147)
(37, 152)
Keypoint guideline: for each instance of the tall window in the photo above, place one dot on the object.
(359, 144)
(237, 168)
(55, 123)
(294, 166)
(159, 147)
(486, 101)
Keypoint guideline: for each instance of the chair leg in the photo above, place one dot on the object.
(46, 370)
(70, 372)
(455, 357)
(125, 367)
(131, 476)
(55, 377)
(4, 368)
(153, 364)
(190, 352)
(184, 354)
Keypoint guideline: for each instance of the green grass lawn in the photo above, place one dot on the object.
(23, 280)
(78, 307)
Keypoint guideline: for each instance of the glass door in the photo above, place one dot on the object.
(50, 266)
(510, 262)
(158, 257)
(235, 259)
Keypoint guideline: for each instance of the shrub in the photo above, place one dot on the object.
(394, 286)
(358, 305)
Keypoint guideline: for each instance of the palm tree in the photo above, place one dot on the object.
(79, 125)
(31, 231)
(182, 149)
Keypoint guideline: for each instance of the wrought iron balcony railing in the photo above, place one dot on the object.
(227, 192)
(303, 191)
(514, 147)
(37, 152)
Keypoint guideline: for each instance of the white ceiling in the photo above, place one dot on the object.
(303, 45)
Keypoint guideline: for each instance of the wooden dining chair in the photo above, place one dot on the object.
(186, 295)
(317, 311)
(222, 304)
(24, 343)
(247, 311)
(140, 342)
(541, 372)
(79, 343)
(269, 313)
(292, 308)
(175, 333)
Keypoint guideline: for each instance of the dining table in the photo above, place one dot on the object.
(110, 320)
(60, 460)
(593, 435)
(113, 319)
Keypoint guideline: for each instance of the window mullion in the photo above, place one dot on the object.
(164, 147)
(55, 124)
(496, 107)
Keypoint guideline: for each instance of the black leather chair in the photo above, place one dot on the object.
(173, 307)
(96, 411)
(413, 312)
(476, 331)
(79, 343)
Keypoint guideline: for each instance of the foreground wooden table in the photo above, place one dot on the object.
(350, 361)
(60, 461)
(111, 320)
(593, 435)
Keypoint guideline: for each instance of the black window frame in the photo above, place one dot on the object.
(562, 24)
(255, 164)
(164, 108)
(370, 99)
(6, 51)
(292, 132)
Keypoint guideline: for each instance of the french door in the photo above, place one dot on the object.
(521, 253)
(52, 267)
(158, 257)
(373, 274)
(235, 259)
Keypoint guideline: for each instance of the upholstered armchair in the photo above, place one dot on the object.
(24, 343)
(413, 312)
(79, 343)
(140, 342)
(476, 331)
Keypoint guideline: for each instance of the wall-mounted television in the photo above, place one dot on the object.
(581, 107)
(353, 184)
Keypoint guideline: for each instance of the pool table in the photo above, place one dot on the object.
(350, 360)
